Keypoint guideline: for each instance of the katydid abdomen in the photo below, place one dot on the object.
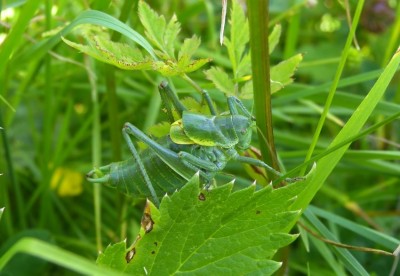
(126, 177)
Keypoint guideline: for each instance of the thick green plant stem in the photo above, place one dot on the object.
(258, 14)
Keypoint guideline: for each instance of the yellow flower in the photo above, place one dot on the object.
(67, 182)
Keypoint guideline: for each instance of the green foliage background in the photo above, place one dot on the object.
(58, 123)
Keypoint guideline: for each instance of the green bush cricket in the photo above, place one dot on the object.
(196, 143)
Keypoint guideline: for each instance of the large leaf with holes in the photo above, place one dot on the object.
(210, 232)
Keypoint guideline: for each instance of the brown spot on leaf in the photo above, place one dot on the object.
(155, 243)
(153, 252)
(258, 212)
(147, 222)
(130, 254)
(202, 197)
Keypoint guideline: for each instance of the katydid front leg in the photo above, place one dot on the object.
(167, 95)
(170, 96)
(234, 102)
(207, 98)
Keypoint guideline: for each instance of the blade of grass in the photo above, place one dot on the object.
(345, 142)
(54, 255)
(335, 82)
(326, 164)
(327, 254)
(86, 17)
(307, 92)
(14, 37)
(96, 148)
(344, 255)
(377, 237)
(394, 37)
(13, 183)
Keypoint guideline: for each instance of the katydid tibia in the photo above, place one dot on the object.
(196, 143)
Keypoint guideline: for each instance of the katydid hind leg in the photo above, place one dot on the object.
(132, 148)
(168, 156)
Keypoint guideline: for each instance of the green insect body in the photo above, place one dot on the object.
(196, 143)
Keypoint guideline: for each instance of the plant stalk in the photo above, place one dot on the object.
(258, 14)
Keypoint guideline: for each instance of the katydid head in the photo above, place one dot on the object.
(243, 130)
(99, 175)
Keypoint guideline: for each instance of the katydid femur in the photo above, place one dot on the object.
(196, 143)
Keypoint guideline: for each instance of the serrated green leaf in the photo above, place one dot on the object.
(187, 50)
(221, 80)
(160, 129)
(171, 32)
(192, 105)
(100, 46)
(244, 67)
(194, 65)
(170, 68)
(273, 37)
(153, 23)
(246, 92)
(239, 35)
(113, 256)
(281, 74)
(213, 232)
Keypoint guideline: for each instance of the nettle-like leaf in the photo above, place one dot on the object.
(154, 25)
(236, 44)
(187, 50)
(162, 35)
(239, 35)
(273, 37)
(281, 74)
(221, 80)
(246, 92)
(211, 232)
(121, 55)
